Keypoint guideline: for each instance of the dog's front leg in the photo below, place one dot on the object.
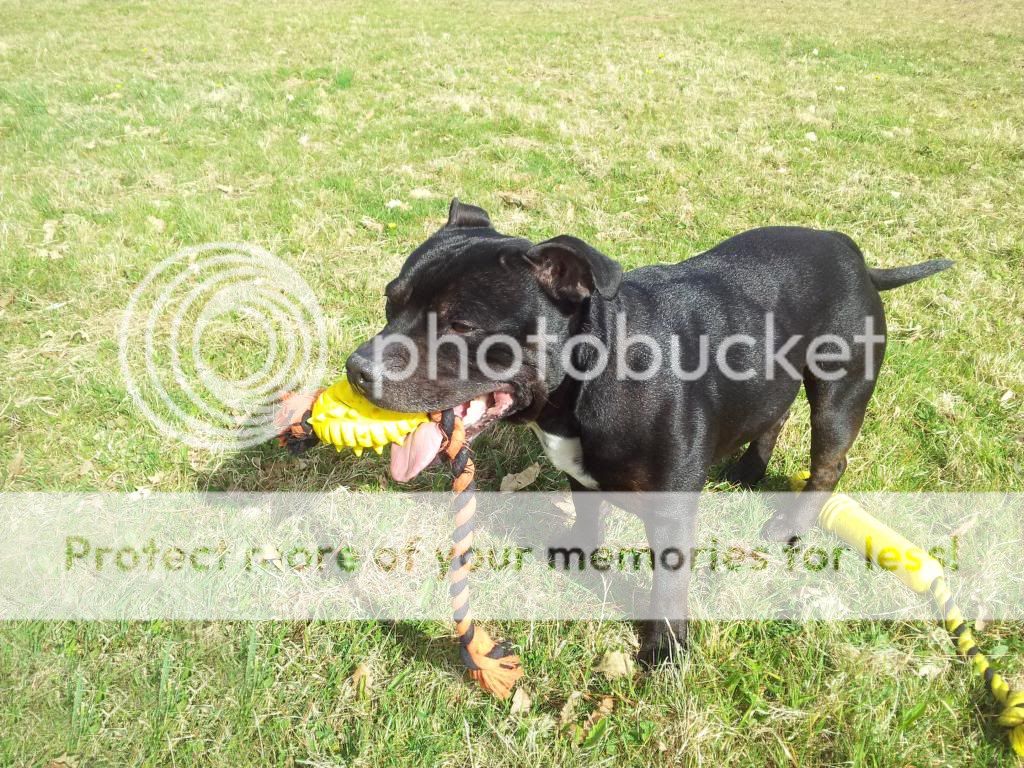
(671, 529)
(588, 530)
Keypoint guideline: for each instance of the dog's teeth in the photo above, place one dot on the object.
(475, 411)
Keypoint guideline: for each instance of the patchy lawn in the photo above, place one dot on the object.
(130, 130)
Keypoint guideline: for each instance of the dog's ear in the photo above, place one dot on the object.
(462, 215)
(568, 269)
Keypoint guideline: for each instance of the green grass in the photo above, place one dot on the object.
(652, 132)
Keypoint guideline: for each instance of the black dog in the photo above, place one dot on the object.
(791, 300)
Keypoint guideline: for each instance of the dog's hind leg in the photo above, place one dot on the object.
(837, 412)
(752, 465)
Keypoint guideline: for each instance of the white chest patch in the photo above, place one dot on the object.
(566, 453)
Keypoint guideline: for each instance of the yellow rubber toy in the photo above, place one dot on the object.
(845, 518)
(345, 419)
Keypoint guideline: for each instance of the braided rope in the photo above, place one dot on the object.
(488, 662)
(845, 518)
(292, 421)
(1012, 702)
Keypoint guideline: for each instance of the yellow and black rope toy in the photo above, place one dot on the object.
(489, 663)
(845, 518)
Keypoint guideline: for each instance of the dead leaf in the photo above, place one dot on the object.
(157, 225)
(929, 671)
(615, 664)
(64, 761)
(982, 619)
(6, 300)
(49, 231)
(16, 465)
(268, 554)
(521, 702)
(1007, 397)
(420, 194)
(604, 708)
(86, 468)
(371, 224)
(362, 679)
(947, 404)
(140, 494)
(566, 506)
(520, 480)
(964, 527)
(225, 189)
(568, 713)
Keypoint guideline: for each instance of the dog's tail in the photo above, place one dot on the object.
(887, 279)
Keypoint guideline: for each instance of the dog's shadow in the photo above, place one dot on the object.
(271, 469)
(537, 520)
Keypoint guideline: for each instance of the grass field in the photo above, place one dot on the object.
(130, 130)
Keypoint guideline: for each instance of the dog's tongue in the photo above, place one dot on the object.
(418, 450)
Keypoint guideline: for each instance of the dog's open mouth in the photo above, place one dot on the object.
(480, 412)
(421, 447)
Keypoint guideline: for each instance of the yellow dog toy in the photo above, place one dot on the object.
(845, 518)
(343, 418)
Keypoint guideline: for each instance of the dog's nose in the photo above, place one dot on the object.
(363, 373)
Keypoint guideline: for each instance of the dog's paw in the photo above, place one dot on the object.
(784, 528)
(662, 650)
(744, 474)
(662, 642)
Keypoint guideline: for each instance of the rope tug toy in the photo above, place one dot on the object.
(845, 518)
(341, 417)
(489, 663)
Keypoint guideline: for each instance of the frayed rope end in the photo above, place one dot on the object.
(495, 673)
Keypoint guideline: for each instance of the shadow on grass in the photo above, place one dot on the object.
(269, 468)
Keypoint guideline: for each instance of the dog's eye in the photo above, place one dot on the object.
(457, 326)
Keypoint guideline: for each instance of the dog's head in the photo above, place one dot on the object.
(464, 319)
